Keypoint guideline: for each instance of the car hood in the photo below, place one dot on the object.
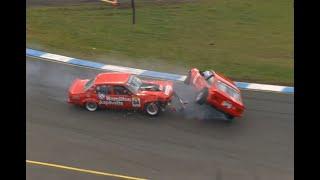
(157, 87)
(77, 86)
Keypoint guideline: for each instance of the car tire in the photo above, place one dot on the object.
(201, 96)
(152, 109)
(91, 106)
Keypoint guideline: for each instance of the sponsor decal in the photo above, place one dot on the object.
(121, 98)
(136, 102)
(118, 101)
(226, 104)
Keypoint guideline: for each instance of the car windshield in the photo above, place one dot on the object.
(88, 85)
(134, 83)
(229, 90)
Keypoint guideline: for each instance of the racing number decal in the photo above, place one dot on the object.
(101, 96)
(136, 102)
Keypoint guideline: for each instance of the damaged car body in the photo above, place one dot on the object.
(121, 91)
(216, 90)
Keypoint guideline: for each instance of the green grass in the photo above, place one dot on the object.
(247, 40)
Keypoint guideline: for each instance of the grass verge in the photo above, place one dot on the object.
(247, 40)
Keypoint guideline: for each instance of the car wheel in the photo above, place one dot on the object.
(201, 96)
(91, 106)
(152, 109)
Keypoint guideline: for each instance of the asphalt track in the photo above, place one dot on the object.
(259, 146)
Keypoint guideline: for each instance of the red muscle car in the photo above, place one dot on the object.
(217, 91)
(121, 91)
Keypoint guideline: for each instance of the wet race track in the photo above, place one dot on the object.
(174, 145)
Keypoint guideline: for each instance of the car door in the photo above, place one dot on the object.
(102, 92)
(121, 98)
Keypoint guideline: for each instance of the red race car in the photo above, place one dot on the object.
(121, 91)
(217, 91)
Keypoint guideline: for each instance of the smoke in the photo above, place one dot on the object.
(52, 79)
(192, 109)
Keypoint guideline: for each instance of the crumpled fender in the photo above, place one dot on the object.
(150, 99)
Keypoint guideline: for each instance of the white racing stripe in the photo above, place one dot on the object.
(182, 78)
(123, 69)
(56, 57)
(265, 87)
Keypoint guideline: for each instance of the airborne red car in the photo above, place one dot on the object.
(121, 91)
(217, 91)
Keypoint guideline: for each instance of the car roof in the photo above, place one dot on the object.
(112, 78)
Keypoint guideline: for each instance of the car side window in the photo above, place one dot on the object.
(103, 89)
(120, 90)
